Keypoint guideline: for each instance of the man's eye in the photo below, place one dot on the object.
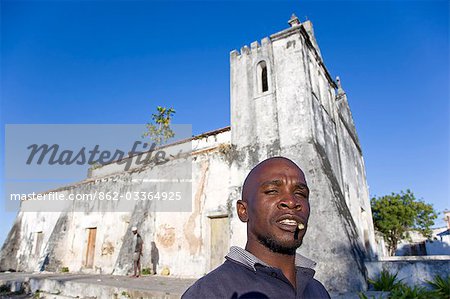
(270, 191)
(302, 194)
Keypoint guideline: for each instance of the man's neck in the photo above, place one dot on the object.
(286, 263)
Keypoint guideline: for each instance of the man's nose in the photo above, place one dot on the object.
(290, 201)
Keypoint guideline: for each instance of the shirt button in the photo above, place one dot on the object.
(273, 274)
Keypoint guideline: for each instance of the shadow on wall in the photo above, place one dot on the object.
(143, 220)
(338, 258)
(8, 260)
(154, 257)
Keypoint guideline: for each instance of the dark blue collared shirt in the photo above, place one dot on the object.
(243, 275)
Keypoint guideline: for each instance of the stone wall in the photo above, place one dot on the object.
(412, 270)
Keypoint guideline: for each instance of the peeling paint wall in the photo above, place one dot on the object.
(181, 238)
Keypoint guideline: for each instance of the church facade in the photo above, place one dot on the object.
(284, 102)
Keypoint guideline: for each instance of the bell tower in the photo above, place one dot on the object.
(285, 102)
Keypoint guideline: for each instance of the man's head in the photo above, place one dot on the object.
(134, 230)
(275, 205)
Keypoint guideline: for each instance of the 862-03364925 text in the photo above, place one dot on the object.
(100, 195)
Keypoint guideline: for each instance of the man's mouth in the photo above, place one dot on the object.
(291, 224)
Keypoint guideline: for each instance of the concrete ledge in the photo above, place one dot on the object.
(95, 286)
(415, 258)
(353, 295)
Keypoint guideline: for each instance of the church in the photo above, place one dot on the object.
(284, 102)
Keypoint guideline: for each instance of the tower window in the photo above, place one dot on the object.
(265, 85)
(263, 82)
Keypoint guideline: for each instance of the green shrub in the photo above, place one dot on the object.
(64, 269)
(385, 282)
(4, 288)
(146, 271)
(440, 286)
(416, 292)
(361, 295)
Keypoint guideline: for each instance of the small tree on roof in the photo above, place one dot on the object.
(159, 129)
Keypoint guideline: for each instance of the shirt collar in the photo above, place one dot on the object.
(244, 257)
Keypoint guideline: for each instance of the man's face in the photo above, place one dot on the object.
(275, 203)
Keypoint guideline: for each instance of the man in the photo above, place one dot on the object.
(275, 207)
(137, 247)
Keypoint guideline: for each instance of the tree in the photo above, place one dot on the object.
(396, 214)
(160, 131)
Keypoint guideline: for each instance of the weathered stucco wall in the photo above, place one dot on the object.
(22, 249)
(181, 239)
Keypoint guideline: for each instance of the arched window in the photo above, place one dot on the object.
(263, 81)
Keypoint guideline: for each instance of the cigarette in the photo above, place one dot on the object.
(301, 226)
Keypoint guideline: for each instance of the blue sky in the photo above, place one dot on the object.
(113, 62)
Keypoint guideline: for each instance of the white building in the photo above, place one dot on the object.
(283, 102)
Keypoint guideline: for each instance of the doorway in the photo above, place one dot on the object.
(219, 240)
(90, 249)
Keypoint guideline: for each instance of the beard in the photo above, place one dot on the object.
(278, 247)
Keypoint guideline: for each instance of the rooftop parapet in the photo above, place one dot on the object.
(294, 24)
(254, 47)
(304, 28)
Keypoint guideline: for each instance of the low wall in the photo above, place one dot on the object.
(413, 270)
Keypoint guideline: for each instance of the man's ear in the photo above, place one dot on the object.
(241, 207)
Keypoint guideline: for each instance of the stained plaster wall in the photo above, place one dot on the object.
(181, 238)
